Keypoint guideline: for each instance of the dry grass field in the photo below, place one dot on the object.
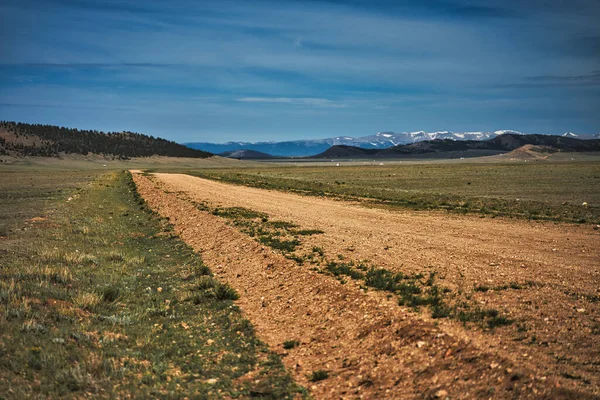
(404, 280)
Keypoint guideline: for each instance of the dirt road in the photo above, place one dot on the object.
(544, 276)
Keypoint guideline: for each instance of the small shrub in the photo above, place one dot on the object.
(225, 292)
(110, 294)
(32, 326)
(9, 291)
(440, 311)
(206, 282)
(383, 279)
(515, 285)
(318, 375)
(136, 260)
(60, 275)
(77, 258)
(115, 256)
(74, 378)
(338, 269)
(290, 344)
(490, 318)
(201, 270)
(50, 255)
(87, 300)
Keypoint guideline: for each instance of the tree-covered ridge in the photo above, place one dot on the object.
(48, 141)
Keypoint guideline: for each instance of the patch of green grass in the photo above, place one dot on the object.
(511, 285)
(318, 250)
(200, 270)
(238, 213)
(487, 317)
(318, 375)
(111, 310)
(30, 193)
(337, 269)
(225, 292)
(285, 246)
(290, 344)
(110, 293)
(280, 225)
(416, 290)
(282, 236)
(307, 232)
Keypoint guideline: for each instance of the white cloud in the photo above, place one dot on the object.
(308, 101)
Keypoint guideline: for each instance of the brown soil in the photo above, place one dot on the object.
(530, 152)
(376, 349)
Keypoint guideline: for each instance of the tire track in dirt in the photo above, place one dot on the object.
(372, 347)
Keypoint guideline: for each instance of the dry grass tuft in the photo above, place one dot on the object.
(87, 300)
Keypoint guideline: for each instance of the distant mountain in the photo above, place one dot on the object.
(342, 151)
(448, 148)
(282, 149)
(19, 139)
(246, 155)
(381, 140)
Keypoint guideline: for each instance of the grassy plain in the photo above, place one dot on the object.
(561, 191)
(99, 298)
(26, 194)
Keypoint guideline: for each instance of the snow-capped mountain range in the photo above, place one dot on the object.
(387, 139)
(380, 140)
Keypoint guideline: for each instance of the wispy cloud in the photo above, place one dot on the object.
(304, 101)
(63, 106)
(593, 77)
(548, 81)
(87, 65)
(321, 67)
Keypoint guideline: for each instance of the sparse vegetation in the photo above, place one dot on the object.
(282, 236)
(111, 310)
(346, 269)
(538, 191)
(290, 344)
(413, 290)
(318, 375)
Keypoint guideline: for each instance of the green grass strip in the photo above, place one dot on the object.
(103, 300)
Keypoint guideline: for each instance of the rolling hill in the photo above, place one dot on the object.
(19, 139)
(246, 155)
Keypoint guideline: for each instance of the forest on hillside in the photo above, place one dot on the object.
(23, 139)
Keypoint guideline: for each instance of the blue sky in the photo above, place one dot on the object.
(275, 70)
